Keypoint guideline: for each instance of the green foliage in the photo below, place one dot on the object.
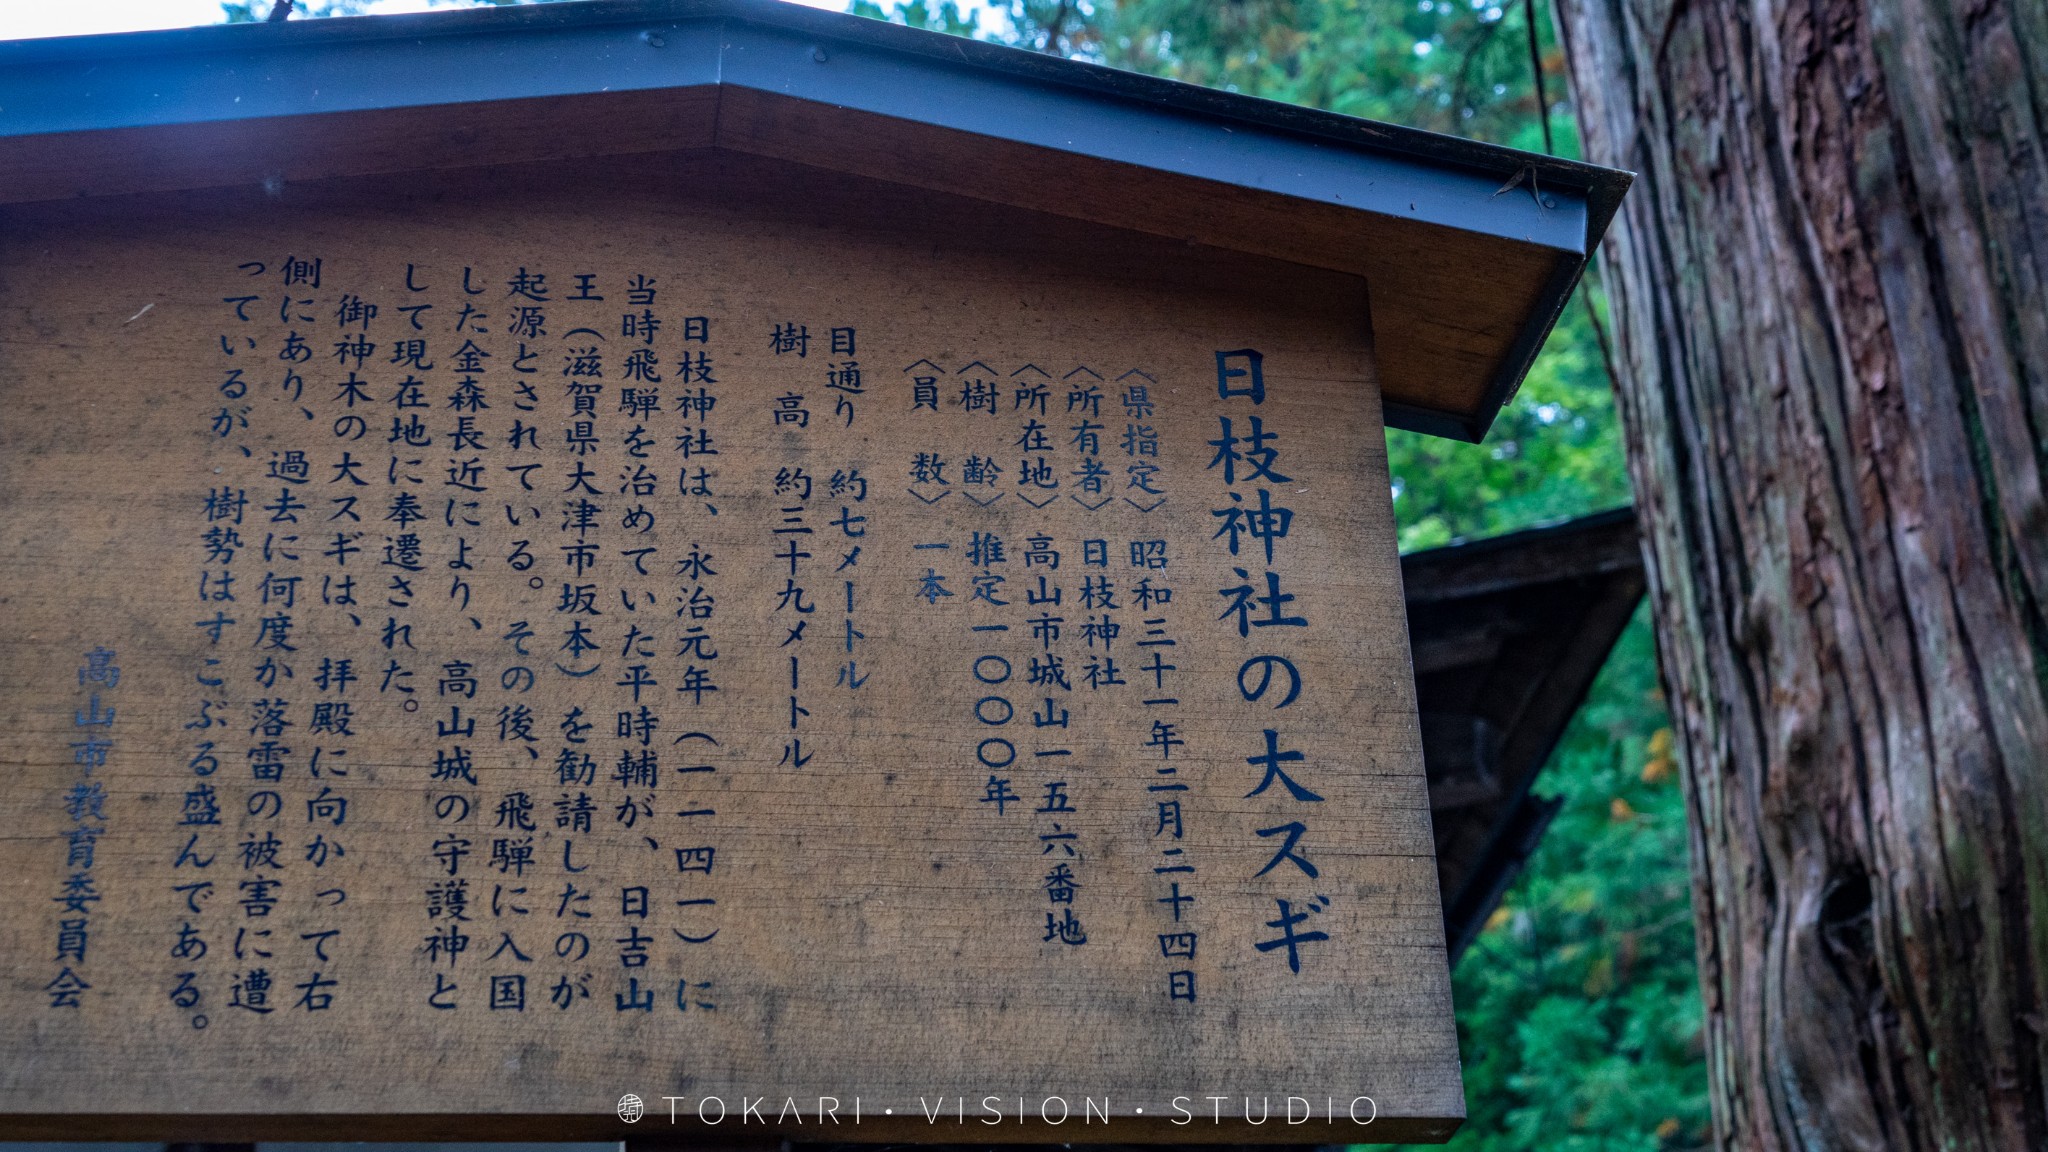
(1446, 65)
(256, 11)
(920, 14)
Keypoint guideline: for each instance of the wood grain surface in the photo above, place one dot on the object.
(696, 749)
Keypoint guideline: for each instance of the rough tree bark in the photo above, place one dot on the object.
(1830, 291)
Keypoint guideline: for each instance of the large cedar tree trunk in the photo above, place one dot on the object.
(1830, 300)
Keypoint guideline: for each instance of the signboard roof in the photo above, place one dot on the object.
(1471, 250)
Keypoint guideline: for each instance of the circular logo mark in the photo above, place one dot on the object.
(631, 1108)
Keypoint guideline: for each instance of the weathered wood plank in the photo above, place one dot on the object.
(794, 884)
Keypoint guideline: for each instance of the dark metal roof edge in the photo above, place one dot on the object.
(1466, 549)
(1602, 187)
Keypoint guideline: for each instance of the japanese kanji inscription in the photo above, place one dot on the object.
(482, 644)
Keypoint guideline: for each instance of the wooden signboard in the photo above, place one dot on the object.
(479, 645)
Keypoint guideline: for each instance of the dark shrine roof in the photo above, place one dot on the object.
(1507, 634)
(1471, 250)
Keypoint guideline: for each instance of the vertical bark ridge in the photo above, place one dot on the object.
(1830, 301)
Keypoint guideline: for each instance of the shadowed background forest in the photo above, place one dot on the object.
(1578, 1010)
